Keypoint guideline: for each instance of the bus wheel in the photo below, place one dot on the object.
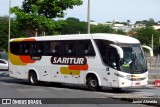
(92, 83)
(33, 78)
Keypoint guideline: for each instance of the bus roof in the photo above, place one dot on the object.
(116, 38)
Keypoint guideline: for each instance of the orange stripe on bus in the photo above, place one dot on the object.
(29, 40)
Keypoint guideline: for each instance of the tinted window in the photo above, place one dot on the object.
(85, 48)
(37, 48)
(109, 54)
(64, 48)
(25, 48)
(52, 48)
(69, 48)
(15, 48)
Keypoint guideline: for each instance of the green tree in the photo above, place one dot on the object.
(4, 31)
(100, 28)
(120, 31)
(37, 15)
(145, 37)
(74, 26)
(150, 22)
(83, 27)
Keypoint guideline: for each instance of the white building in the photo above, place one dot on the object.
(156, 27)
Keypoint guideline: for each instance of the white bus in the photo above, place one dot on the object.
(95, 60)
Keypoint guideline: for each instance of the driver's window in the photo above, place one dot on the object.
(112, 58)
(108, 53)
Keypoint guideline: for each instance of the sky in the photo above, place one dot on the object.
(106, 10)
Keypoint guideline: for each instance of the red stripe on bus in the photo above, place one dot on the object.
(26, 59)
(78, 67)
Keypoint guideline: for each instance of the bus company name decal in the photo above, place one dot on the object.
(68, 60)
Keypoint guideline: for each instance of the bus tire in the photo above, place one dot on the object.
(33, 78)
(93, 84)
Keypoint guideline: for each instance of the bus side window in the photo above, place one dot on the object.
(40, 48)
(15, 48)
(25, 48)
(102, 48)
(33, 48)
(85, 48)
(109, 54)
(69, 48)
(55, 48)
(80, 49)
(37, 48)
(89, 50)
(51, 48)
(47, 46)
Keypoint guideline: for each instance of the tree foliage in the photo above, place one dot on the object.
(101, 29)
(4, 31)
(120, 31)
(74, 26)
(145, 37)
(49, 8)
(37, 15)
(149, 22)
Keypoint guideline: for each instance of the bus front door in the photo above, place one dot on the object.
(112, 67)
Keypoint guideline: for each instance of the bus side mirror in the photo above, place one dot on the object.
(119, 49)
(149, 48)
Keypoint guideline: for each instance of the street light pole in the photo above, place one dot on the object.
(88, 16)
(152, 41)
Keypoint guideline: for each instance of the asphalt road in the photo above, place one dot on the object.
(14, 88)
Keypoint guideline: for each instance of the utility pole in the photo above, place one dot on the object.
(159, 50)
(9, 25)
(152, 41)
(36, 34)
(88, 16)
(44, 33)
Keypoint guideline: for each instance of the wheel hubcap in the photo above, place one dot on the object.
(32, 79)
(93, 83)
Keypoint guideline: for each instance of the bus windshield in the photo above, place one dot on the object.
(133, 60)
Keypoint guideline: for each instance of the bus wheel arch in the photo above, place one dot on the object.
(93, 82)
(33, 77)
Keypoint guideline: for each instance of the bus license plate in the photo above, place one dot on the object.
(137, 83)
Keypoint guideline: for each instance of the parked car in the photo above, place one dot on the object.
(3, 64)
